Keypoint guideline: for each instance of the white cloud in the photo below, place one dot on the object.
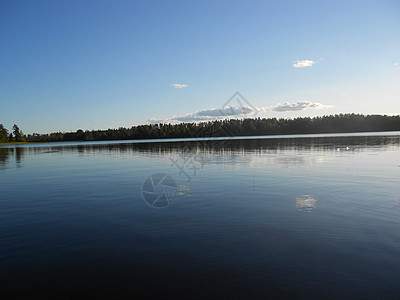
(225, 111)
(237, 112)
(299, 105)
(179, 86)
(303, 63)
(208, 114)
(396, 64)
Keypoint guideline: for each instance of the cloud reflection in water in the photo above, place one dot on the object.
(306, 203)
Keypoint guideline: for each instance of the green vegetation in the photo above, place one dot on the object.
(3, 134)
(234, 127)
(16, 136)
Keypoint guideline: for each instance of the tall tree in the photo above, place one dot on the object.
(3, 134)
(18, 134)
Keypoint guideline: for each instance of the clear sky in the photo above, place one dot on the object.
(66, 65)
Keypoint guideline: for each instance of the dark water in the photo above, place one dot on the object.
(306, 217)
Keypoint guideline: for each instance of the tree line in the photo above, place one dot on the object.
(16, 135)
(233, 127)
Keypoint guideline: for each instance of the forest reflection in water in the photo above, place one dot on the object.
(228, 149)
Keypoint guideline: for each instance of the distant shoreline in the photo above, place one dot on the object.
(226, 128)
(32, 143)
(342, 123)
(251, 137)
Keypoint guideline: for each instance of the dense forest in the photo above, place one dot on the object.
(233, 127)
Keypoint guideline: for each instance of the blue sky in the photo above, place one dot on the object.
(66, 65)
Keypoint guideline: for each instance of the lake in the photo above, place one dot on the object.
(305, 216)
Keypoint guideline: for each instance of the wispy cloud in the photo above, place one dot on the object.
(178, 85)
(396, 64)
(303, 63)
(237, 112)
(299, 105)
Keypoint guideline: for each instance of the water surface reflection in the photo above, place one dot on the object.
(260, 218)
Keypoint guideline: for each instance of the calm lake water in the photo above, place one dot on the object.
(311, 216)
